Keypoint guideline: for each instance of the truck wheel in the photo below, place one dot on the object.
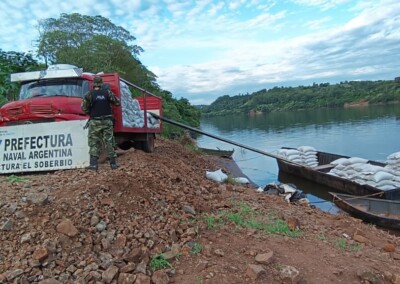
(148, 145)
(138, 145)
(126, 145)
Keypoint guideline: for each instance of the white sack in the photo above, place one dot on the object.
(241, 180)
(217, 175)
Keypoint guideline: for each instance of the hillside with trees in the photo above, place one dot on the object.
(308, 97)
(96, 45)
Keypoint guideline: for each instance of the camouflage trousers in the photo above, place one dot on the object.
(101, 131)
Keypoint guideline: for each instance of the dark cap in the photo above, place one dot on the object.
(97, 81)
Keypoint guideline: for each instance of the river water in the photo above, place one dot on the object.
(368, 132)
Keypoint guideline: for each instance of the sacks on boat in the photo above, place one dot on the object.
(357, 160)
(339, 161)
(217, 175)
(393, 163)
(382, 175)
(307, 149)
(305, 155)
(394, 156)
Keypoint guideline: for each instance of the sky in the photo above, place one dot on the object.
(201, 50)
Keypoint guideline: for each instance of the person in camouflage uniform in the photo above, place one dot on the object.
(97, 104)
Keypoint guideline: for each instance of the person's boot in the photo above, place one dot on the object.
(113, 164)
(93, 163)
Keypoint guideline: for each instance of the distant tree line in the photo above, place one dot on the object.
(308, 97)
(96, 45)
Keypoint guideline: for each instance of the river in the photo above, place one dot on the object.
(368, 132)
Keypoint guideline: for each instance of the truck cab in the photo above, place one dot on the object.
(56, 94)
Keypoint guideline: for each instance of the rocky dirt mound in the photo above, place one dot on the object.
(157, 219)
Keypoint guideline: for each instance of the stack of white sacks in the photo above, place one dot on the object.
(303, 155)
(358, 170)
(132, 116)
(354, 168)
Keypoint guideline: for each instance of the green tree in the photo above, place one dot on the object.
(96, 45)
(13, 62)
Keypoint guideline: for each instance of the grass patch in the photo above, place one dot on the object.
(321, 236)
(213, 221)
(198, 280)
(158, 262)
(280, 227)
(14, 179)
(243, 215)
(196, 248)
(343, 245)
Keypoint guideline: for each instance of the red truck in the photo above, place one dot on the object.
(56, 94)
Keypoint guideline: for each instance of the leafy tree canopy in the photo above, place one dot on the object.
(97, 45)
(307, 97)
(13, 62)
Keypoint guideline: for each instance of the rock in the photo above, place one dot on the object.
(219, 252)
(289, 274)
(175, 250)
(10, 209)
(142, 279)
(109, 274)
(25, 238)
(66, 227)
(37, 198)
(141, 267)
(94, 220)
(13, 274)
(101, 226)
(255, 271)
(293, 223)
(128, 268)
(389, 247)
(7, 225)
(396, 279)
(50, 281)
(264, 258)
(120, 242)
(133, 256)
(360, 239)
(207, 250)
(126, 278)
(189, 209)
(160, 277)
(40, 254)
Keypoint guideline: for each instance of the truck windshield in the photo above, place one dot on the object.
(65, 87)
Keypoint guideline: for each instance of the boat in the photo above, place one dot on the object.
(319, 174)
(217, 152)
(381, 212)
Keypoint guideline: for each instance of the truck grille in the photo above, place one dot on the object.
(41, 109)
(15, 111)
(20, 122)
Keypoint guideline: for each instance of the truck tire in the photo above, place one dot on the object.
(148, 145)
(138, 145)
(126, 145)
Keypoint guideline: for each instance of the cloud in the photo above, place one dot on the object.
(204, 49)
(365, 45)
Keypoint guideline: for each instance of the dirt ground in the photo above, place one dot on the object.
(158, 219)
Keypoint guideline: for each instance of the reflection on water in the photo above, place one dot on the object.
(370, 132)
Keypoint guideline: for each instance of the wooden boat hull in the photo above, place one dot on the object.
(319, 175)
(381, 212)
(217, 152)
